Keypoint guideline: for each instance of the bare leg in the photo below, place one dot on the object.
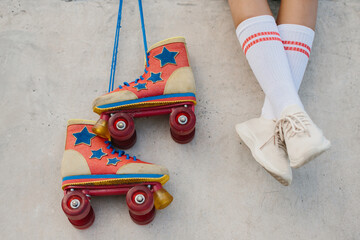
(301, 12)
(244, 9)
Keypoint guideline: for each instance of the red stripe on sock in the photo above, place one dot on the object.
(297, 49)
(261, 40)
(258, 35)
(298, 44)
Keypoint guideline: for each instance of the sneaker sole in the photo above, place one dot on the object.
(312, 154)
(278, 178)
(250, 144)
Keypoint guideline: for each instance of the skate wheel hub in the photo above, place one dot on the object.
(139, 199)
(120, 125)
(182, 119)
(75, 203)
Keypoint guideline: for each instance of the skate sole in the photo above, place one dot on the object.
(113, 179)
(166, 99)
(244, 135)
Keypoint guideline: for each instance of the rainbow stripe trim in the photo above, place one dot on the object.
(112, 176)
(167, 97)
(113, 179)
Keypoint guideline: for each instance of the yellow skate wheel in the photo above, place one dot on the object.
(162, 198)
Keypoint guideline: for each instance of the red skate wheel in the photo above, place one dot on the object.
(143, 219)
(182, 121)
(139, 200)
(121, 127)
(182, 124)
(75, 205)
(182, 139)
(125, 144)
(85, 222)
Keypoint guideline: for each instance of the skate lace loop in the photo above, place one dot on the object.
(120, 152)
(290, 125)
(142, 76)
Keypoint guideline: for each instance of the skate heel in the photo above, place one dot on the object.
(101, 127)
(162, 198)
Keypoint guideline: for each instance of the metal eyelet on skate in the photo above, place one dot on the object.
(75, 203)
(121, 125)
(140, 199)
(182, 120)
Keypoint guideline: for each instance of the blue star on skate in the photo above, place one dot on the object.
(155, 77)
(83, 137)
(166, 57)
(98, 153)
(113, 161)
(140, 86)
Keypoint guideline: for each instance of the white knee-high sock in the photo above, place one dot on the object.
(264, 50)
(297, 42)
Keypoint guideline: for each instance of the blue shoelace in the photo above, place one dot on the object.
(116, 44)
(141, 77)
(120, 152)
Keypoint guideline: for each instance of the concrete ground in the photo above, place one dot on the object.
(55, 59)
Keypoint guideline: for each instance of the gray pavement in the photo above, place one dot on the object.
(55, 59)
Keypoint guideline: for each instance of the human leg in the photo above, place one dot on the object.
(245, 9)
(261, 43)
(259, 37)
(296, 21)
(264, 50)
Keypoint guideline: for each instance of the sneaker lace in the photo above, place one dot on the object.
(290, 125)
(277, 140)
(142, 76)
(120, 152)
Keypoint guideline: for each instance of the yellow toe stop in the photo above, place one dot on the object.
(162, 199)
(101, 129)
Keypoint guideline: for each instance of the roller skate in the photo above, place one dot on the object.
(91, 166)
(167, 86)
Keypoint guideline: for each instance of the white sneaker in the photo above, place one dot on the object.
(268, 150)
(304, 140)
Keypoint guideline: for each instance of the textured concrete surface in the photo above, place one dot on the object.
(55, 59)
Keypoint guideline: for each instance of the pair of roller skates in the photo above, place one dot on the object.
(94, 165)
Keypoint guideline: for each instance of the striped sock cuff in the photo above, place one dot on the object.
(297, 38)
(256, 30)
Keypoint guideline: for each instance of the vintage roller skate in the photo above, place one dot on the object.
(92, 167)
(167, 86)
